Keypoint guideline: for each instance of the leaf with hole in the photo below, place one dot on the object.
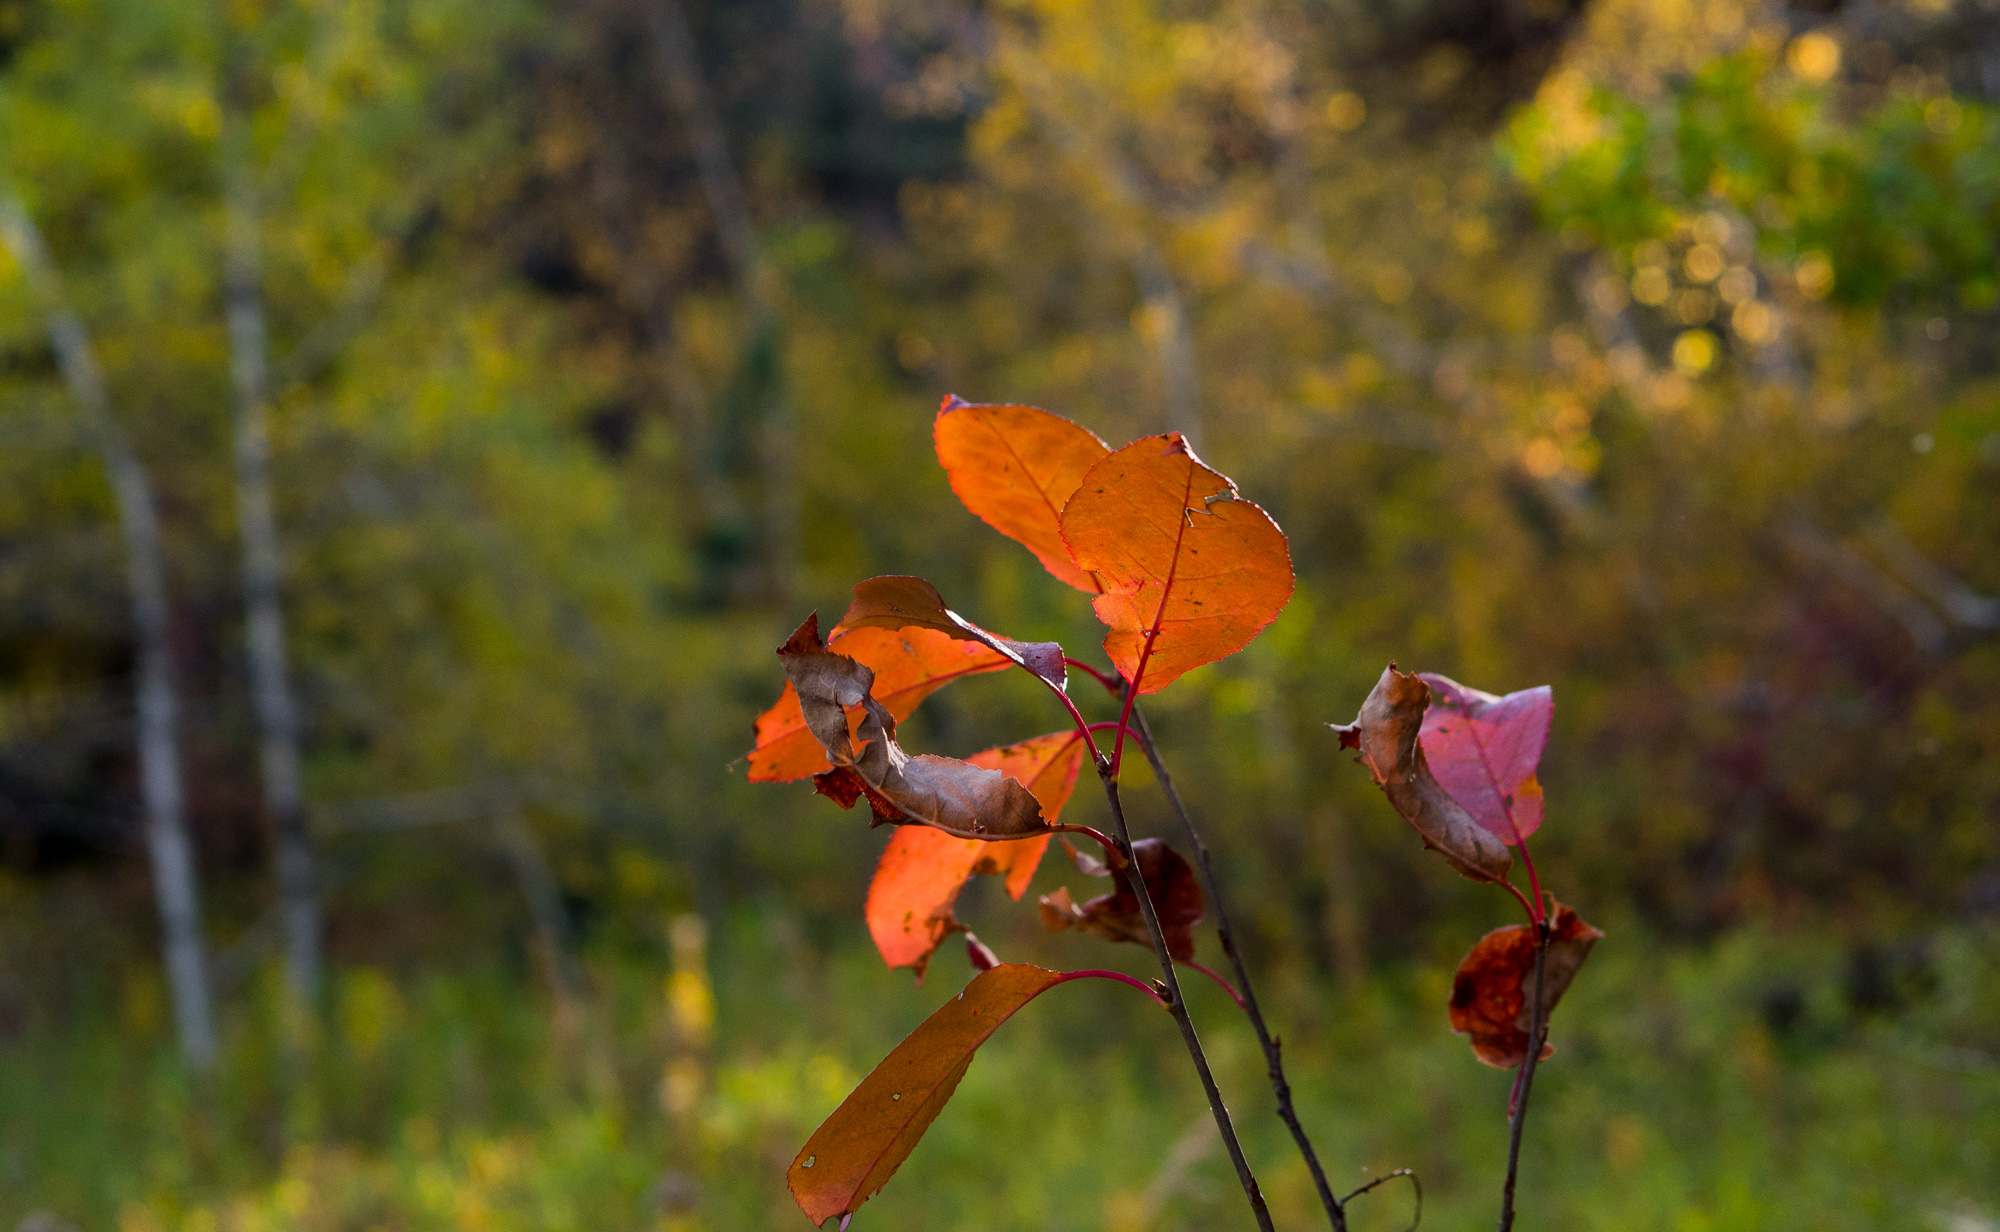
(1191, 571)
(1485, 750)
(1015, 467)
(1386, 732)
(1492, 994)
(921, 871)
(855, 1152)
(955, 796)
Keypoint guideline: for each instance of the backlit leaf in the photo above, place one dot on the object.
(1386, 732)
(1484, 750)
(1178, 551)
(1492, 995)
(909, 666)
(955, 796)
(899, 602)
(855, 1152)
(1015, 467)
(1170, 883)
(922, 869)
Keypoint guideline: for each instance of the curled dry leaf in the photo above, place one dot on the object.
(1490, 999)
(1485, 750)
(1015, 467)
(899, 602)
(909, 666)
(1184, 561)
(1170, 883)
(922, 870)
(955, 796)
(850, 1157)
(1386, 732)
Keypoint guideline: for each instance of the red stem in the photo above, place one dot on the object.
(1521, 899)
(1112, 855)
(1153, 633)
(1077, 717)
(1227, 987)
(1111, 683)
(1104, 727)
(1121, 977)
(1537, 914)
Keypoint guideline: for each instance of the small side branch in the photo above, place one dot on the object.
(1273, 1059)
(1417, 1219)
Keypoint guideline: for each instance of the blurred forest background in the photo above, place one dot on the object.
(420, 419)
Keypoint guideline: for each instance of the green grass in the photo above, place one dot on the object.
(1734, 1088)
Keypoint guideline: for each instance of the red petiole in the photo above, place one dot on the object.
(1227, 987)
(1119, 976)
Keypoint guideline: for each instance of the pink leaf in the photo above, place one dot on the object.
(1483, 750)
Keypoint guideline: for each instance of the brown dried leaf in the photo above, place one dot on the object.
(899, 602)
(1170, 883)
(1386, 733)
(1490, 999)
(954, 796)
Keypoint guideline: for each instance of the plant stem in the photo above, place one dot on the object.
(1178, 1005)
(1273, 1060)
(1119, 976)
(1537, 1029)
(1225, 985)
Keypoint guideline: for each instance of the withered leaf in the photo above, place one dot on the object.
(855, 1152)
(1485, 750)
(954, 796)
(1492, 996)
(1170, 883)
(1015, 467)
(899, 602)
(1186, 564)
(1386, 732)
(921, 871)
(909, 665)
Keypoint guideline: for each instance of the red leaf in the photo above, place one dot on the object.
(908, 666)
(922, 870)
(955, 796)
(1170, 883)
(850, 1157)
(898, 602)
(1490, 999)
(1016, 467)
(1181, 557)
(1484, 750)
(1386, 731)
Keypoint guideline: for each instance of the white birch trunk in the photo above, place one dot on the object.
(263, 570)
(167, 843)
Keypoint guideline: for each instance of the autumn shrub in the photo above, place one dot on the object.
(1182, 571)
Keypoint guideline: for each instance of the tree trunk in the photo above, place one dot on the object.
(680, 70)
(167, 842)
(263, 612)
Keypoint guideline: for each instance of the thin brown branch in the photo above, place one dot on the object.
(1273, 1056)
(1518, 1115)
(1178, 1005)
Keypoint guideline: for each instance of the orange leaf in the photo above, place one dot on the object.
(1181, 557)
(909, 666)
(955, 796)
(1016, 467)
(1386, 731)
(850, 1157)
(1490, 998)
(922, 870)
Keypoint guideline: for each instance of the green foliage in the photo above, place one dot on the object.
(1731, 1087)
